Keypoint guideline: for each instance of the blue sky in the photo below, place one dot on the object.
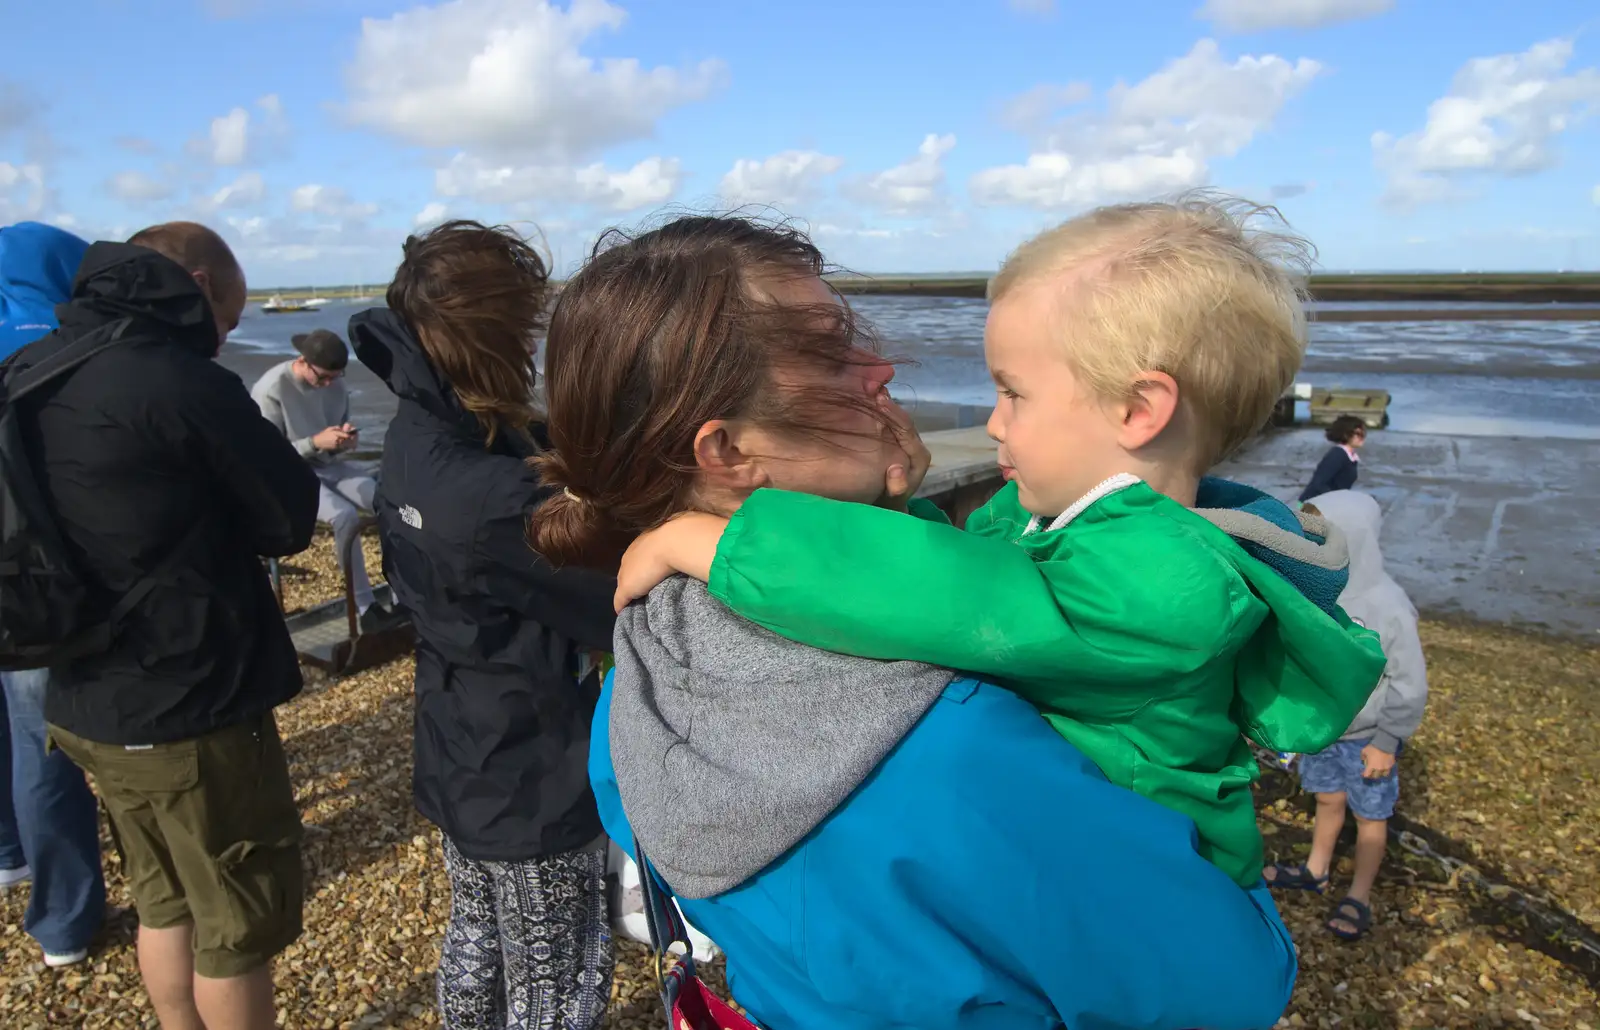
(926, 136)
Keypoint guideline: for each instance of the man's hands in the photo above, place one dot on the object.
(336, 438)
(1376, 763)
(686, 544)
(902, 481)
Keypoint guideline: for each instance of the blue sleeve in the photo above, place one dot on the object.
(1098, 896)
(1325, 478)
(602, 777)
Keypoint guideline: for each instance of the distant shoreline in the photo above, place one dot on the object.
(1399, 289)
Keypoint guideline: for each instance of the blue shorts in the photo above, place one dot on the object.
(1337, 770)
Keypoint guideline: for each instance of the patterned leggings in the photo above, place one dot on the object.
(529, 944)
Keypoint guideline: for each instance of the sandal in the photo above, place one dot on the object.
(1294, 877)
(1353, 912)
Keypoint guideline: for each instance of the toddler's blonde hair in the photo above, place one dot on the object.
(1192, 287)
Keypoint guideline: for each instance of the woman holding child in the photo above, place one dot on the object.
(871, 842)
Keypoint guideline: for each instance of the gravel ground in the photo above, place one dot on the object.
(1505, 767)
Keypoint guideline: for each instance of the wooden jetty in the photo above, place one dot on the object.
(1370, 406)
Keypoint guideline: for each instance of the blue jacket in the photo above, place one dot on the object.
(37, 266)
(987, 876)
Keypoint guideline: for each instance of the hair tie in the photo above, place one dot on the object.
(572, 496)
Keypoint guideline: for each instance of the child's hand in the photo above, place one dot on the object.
(1376, 763)
(902, 481)
(686, 544)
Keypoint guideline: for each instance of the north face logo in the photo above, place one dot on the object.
(411, 516)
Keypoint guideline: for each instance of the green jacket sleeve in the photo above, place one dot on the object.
(1080, 610)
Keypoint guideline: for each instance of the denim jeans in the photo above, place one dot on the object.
(48, 821)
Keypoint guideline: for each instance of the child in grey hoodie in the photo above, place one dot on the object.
(1359, 772)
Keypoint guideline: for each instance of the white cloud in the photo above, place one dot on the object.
(783, 180)
(1027, 111)
(23, 195)
(652, 181)
(237, 138)
(828, 229)
(913, 187)
(1257, 15)
(249, 227)
(287, 249)
(1500, 117)
(137, 187)
(244, 191)
(330, 202)
(432, 214)
(230, 137)
(1155, 136)
(28, 154)
(506, 78)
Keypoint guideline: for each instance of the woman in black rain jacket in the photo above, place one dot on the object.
(504, 688)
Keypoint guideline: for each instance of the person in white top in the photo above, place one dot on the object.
(307, 399)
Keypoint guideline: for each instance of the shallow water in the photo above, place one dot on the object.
(1506, 377)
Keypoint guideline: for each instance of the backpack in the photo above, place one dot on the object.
(47, 608)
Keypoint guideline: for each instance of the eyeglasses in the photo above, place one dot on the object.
(323, 376)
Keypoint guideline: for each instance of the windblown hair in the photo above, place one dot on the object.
(475, 298)
(1344, 429)
(658, 334)
(1192, 287)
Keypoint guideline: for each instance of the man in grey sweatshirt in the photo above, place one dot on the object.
(1360, 771)
(307, 399)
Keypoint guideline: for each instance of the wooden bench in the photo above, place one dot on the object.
(328, 636)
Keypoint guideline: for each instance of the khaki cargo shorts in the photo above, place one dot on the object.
(209, 834)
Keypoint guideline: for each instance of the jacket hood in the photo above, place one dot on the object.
(118, 280)
(37, 264)
(726, 733)
(1375, 600)
(1304, 549)
(1309, 669)
(1371, 592)
(384, 344)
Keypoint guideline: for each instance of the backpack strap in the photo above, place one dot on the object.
(18, 383)
(164, 568)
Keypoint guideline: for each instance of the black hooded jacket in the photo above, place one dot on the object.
(138, 447)
(502, 723)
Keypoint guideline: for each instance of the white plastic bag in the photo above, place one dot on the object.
(627, 907)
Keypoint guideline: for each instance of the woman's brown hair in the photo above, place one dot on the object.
(657, 335)
(475, 298)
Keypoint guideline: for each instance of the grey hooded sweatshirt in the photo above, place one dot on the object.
(1376, 601)
(723, 731)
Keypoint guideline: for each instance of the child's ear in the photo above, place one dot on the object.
(1149, 409)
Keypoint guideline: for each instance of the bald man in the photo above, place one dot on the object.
(163, 475)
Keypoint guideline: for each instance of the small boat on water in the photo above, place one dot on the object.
(276, 305)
